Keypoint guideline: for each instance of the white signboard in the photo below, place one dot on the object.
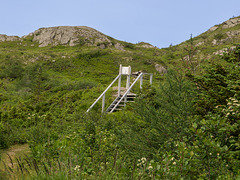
(126, 70)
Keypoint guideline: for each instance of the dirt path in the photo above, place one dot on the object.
(9, 156)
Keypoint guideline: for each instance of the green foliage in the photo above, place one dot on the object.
(160, 116)
(189, 60)
(11, 68)
(183, 127)
(92, 54)
(128, 45)
(4, 141)
(233, 55)
(218, 36)
(216, 85)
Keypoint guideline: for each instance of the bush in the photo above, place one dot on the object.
(160, 116)
(11, 68)
(128, 45)
(4, 137)
(218, 36)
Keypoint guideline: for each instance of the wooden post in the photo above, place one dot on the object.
(119, 80)
(151, 76)
(128, 82)
(128, 77)
(103, 103)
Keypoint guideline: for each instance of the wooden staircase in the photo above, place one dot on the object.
(120, 105)
(122, 98)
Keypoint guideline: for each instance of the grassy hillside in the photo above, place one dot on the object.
(186, 126)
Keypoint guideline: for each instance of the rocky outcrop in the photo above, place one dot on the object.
(69, 35)
(4, 37)
(227, 24)
(145, 45)
(119, 46)
(231, 22)
(213, 28)
(224, 50)
(161, 69)
(233, 33)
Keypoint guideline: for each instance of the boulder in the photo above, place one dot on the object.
(4, 37)
(161, 69)
(231, 22)
(145, 45)
(119, 46)
(68, 35)
(214, 42)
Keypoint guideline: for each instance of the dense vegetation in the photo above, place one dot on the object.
(186, 126)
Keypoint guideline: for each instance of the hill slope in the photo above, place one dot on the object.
(71, 54)
(185, 126)
(206, 47)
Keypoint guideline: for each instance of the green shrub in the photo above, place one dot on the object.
(4, 136)
(129, 45)
(219, 36)
(11, 68)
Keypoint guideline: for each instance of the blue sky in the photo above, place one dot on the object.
(159, 22)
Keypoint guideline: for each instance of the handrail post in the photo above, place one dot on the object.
(128, 78)
(141, 81)
(103, 102)
(151, 76)
(119, 80)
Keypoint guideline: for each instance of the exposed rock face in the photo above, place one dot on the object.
(224, 50)
(233, 33)
(119, 46)
(68, 35)
(214, 42)
(145, 45)
(8, 38)
(161, 69)
(200, 43)
(227, 24)
(213, 28)
(231, 22)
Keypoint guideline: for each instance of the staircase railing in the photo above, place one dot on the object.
(119, 99)
(127, 91)
(113, 103)
(103, 95)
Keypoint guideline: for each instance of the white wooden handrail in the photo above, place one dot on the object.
(103, 94)
(140, 75)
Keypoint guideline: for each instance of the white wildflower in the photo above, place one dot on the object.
(77, 167)
(150, 167)
(144, 159)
